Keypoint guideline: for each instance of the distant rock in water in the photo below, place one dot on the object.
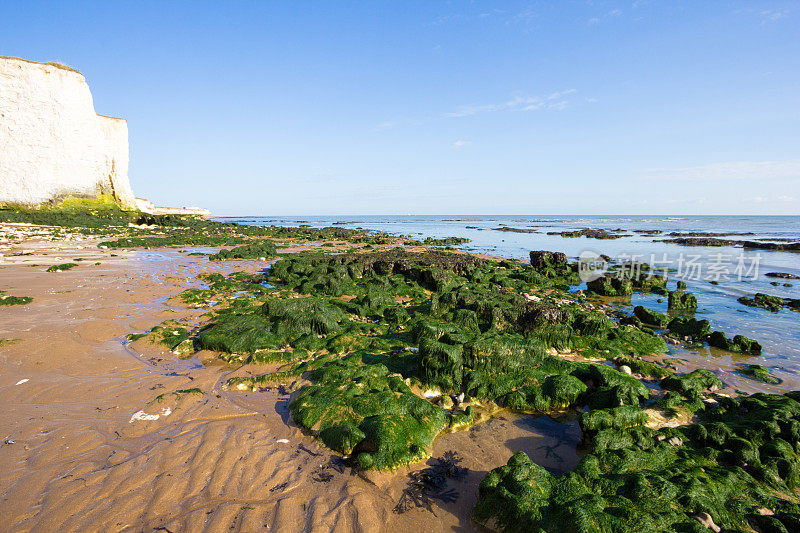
(705, 234)
(752, 245)
(590, 233)
(781, 275)
(514, 230)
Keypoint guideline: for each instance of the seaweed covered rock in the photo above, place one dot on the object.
(679, 300)
(781, 275)
(364, 410)
(338, 274)
(650, 317)
(735, 468)
(759, 373)
(613, 388)
(361, 327)
(342, 437)
(623, 417)
(610, 284)
(238, 334)
(690, 327)
(555, 393)
(541, 259)
(510, 498)
(552, 266)
(695, 381)
(293, 317)
(645, 368)
(739, 343)
(256, 250)
(442, 364)
(764, 301)
(588, 233)
(685, 393)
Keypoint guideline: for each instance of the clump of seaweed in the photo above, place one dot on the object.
(735, 467)
(14, 300)
(759, 373)
(610, 285)
(764, 301)
(62, 267)
(362, 328)
(650, 317)
(171, 334)
(256, 250)
(368, 412)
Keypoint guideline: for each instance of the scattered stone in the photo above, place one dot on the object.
(705, 519)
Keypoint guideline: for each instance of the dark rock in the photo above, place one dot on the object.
(543, 259)
(781, 275)
(764, 301)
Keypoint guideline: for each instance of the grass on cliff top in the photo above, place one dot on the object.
(56, 64)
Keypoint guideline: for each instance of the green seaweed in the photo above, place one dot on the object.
(739, 343)
(764, 301)
(759, 373)
(62, 267)
(650, 317)
(690, 327)
(736, 460)
(238, 335)
(679, 300)
(14, 300)
(169, 333)
(369, 412)
(255, 250)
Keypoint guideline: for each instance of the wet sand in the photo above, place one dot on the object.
(97, 439)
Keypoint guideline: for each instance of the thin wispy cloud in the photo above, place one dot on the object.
(604, 17)
(771, 15)
(523, 17)
(386, 125)
(555, 101)
(732, 170)
(461, 144)
(763, 16)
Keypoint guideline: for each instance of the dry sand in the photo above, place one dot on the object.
(88, 445)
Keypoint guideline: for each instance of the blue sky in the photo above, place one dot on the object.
(268, 108)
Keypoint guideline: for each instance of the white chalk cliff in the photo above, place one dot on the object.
(52, 143)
